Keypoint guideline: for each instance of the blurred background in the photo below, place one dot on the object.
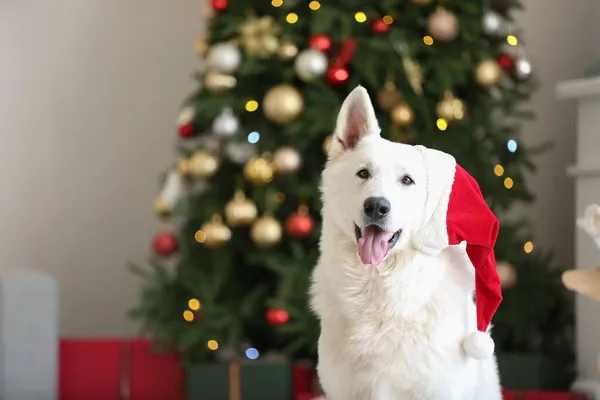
(95, 101)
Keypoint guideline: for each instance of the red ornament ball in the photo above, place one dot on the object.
(164, 244)
(320, 42)
(186, 130)
(219, 5)
(299, 225)
(506, 62)
(378, 26)
(337, 75)
(277, 316)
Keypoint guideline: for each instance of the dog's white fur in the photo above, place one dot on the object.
(391, 331)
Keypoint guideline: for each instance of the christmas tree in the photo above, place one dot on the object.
(230, 271)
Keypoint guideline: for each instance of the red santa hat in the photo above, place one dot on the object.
(456, 212)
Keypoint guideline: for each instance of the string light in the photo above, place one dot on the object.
(511, 145)
(292, 18)
(442, 124)
(508, 182)
(428, 40)
(388, 19)
(252, 353)
(512, 40)
(276, 3)
(314, 5)
(251, 105)
(212, 345)
(253, 137)
(194, 304)
(188, 315)
(528, 247)
(279, 197)
(360, 17)
(499, 170)
(200, 236)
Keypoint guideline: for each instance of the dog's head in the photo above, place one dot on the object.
(377, 192)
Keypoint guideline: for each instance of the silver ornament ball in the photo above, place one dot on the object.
(310, 63)
(493, 23)
(240, 152)
(226, 123)
(523, 69)
(224, 57)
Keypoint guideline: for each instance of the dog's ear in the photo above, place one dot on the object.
(432, 236)
(355, 120)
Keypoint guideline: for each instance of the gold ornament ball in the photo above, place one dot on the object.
(402, 115)
(287, 50)
(218, 82)
(443, 25)
(266, 231)
(488, 73)
(161, 207)
(460, 108)
(282, 104)
(202, 47)
(327, 144)
(216, 233)
(451, 108)
(183, 166)
(421, 2)
(388, 97)
(240, 211)
(259, 171)
(507, 274)
(203, 164)
(287, 160)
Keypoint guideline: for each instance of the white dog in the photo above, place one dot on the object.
(393, 316)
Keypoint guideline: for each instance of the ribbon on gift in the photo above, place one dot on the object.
(235, 382)
(125, 371)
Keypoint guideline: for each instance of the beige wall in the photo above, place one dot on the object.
(559, 37)
(89, 91)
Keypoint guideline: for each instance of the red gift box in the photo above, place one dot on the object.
(526, 395)
(112, 369)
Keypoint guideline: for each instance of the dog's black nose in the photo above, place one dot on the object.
(376, 208)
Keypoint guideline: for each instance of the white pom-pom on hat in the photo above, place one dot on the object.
(478, 345)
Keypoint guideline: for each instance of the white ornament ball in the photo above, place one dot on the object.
(523, 69)
(240, 152)
(226, 123)
(310, 63)
(493, 23)
(287, 160)
(224, 57)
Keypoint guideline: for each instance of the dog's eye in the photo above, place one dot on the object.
(363, 174)
(407, 180)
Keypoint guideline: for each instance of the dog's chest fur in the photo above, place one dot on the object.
(396, 328)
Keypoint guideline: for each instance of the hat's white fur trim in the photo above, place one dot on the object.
(440, 169)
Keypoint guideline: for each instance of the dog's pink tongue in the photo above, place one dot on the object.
(372, 246)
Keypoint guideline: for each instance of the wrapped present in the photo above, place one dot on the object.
(303, 376)
(528, 395)
(114, 369)
(89, 369)
(240, 381)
